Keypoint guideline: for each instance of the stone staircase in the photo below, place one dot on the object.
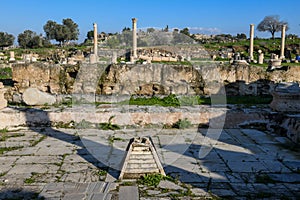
(141, 159)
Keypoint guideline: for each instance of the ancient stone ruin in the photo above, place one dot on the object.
(3, 101)
(286, 97)
(141, 159)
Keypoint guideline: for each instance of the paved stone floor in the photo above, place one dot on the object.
(73, 164)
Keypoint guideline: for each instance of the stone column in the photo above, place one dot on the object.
(260, 57)
(251, 42)
(95, 40)
(282, 42)
(134, 40)
(12, 56)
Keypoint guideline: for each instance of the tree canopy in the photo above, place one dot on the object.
(29, 39)
(62, 33)
(271, 24)
(6, 39)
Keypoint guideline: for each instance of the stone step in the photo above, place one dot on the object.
(137, 171)
(141, 166)
(140, 148)
(141, 153)
(142, 161)
(141, 156)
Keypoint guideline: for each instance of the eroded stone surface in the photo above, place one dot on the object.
(242, 163)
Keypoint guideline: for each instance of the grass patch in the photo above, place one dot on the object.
(153, 179)
(173, 63)
(4, 149)
(177, 101)
(35, 142)
(182, 124)
(3, 136)
(112, 139)
(108, 125)
(84, 124)
(29, 180)
(102, 172)
(5, 73)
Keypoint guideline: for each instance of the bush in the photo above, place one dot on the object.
(182, 124)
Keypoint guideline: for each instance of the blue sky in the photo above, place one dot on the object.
(207, 16)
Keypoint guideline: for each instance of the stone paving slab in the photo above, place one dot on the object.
(128, 192)
(242, 163)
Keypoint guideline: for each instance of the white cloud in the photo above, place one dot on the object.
(204, 30)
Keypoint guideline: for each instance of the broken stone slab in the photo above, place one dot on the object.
(35, 97)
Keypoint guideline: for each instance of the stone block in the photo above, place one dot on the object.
(33, 96)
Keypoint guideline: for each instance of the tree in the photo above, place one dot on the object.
(271, 24)
(150, 30)
(90, 35)
(126, 29)
(6, 39)
(185, 31)
(62, 33)
(166, 29)
(241, 36)
(72, 29)
(29, 39)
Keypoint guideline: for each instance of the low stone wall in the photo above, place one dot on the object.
(130, 115)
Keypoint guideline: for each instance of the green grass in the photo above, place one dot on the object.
(173, 63)
(182, 124)
(5, 73)
(111, 139)
(29, 180)
(174, 101)
(108, 125)
(4, 149)
(35, 142)
(152, 179)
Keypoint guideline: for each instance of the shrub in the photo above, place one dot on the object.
(182, 124)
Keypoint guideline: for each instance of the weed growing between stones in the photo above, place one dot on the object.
(182, 124)
(84, 124)
(4, 149)
(29, 180)
(153, 179)
(111, 139)
(35, 142)
(109, 125)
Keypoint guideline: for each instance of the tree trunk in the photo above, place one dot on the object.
(273, 35)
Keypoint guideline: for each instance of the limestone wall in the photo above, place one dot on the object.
(149, 79)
